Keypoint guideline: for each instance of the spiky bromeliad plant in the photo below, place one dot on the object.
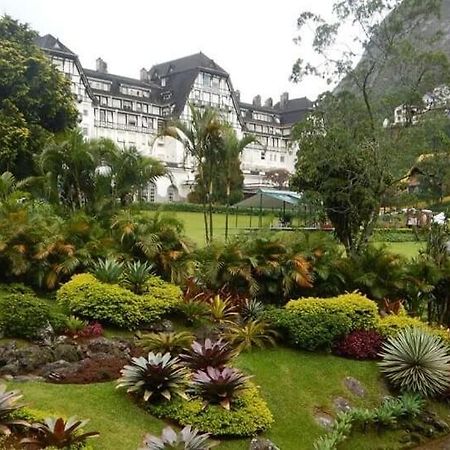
(157, 375)
(252, 309)
(59, 433)
(136, 275)
(208, 353)
(415, 361)
(218, 386)
(255, 333)
(163, 342)
(186, 439)
(9, 402)
(107, 270)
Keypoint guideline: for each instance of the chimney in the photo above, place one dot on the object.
(237, 94)
(144, 74)
(101, 66)
(268, 103)
(284, 99)
(257, 100)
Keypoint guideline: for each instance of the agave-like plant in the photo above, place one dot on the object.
(108, 270)
(415, 361)
(165, 342)
(255, 333)
(136, 275)
(9, 402)
(219, 386)
(252, 309)
(59, 433)
(222, 311)
(158, 375)
(186, 439)
(208, 353)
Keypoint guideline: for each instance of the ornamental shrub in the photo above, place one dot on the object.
(25, 315)
(112, 304)
(316, 323)
(248, 415)
(360, 344)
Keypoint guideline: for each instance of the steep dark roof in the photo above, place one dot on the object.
(52, 44)
(187, 63)
(118, 80)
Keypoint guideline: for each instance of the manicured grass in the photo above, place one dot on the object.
(407, 249)
(293, 383)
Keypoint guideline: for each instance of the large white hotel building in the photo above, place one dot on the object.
(131, 111)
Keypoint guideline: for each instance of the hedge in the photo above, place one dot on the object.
(248, 415)
(114, 305)
(316, 323)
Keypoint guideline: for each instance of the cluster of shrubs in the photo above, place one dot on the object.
(197, 386)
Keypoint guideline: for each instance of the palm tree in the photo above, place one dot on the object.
(232, 148)
(200, 139)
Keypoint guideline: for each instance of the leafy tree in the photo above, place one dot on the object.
(35, 99)
(346, 156)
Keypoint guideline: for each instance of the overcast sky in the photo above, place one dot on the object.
(251, 39)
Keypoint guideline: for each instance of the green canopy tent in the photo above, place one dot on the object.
(270, 199)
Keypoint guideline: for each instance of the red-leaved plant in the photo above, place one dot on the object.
(360, 344)
(94, 329)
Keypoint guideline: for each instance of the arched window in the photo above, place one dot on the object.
(172, 193)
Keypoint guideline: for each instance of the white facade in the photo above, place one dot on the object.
(131, 111)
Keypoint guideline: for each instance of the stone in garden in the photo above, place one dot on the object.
(355, 386)
(324, 419)
(67, 352)
(341, 404)
(262, 444)
(27, 378)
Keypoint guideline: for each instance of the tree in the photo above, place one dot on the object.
(35, 99)
(200, 138)
(345, 153)
(279, 178)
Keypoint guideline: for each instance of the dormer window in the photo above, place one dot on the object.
(163, 82)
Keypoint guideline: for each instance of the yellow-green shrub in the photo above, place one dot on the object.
(248, 415)
(312, 323)
(112, 304)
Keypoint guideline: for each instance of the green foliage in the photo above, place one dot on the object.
(158, 376)
(74, 325)
(251, 309)
(59, 433)
(35, 99)
(24, 316)
(186, 439)
(415, 361)
(221, 311)
(248, 415)
(254, 333)
(108, 270)
(315, 323)
(392, 324)
(91, 299)
(208, 353)
(135, 276)
(165, 342)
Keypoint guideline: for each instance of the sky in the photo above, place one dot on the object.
(250, 39)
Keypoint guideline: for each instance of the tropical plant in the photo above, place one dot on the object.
(360, 344)
(155, 376)
(221, 311)
(74, 325)
(251, 309)
(59, 433)
(208, 353)
(415, 361)
(194, 311)
(187, 439)
(219, 386)
(255, 333)
(165, 342)
(9, 403)
(108, 270)
(135, 276)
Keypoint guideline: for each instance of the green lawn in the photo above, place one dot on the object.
(293, 383)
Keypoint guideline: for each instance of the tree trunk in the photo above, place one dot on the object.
(211, 234)
(227, 210)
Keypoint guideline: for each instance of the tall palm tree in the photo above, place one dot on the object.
(232, 147)
(200, 140)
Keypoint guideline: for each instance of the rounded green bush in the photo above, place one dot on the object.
(248, 415)
(112, 304)
(24, 315)
(316, 323)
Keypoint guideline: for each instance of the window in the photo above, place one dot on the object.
(207, 97)
(207, 80)
(144, 108)
(263, 155)
(138, 106)
(215, 99)
(282, 158)
(132, 120)
(197, 94)
(110, 117)
(117, 103)
(102, 115)
(104, 101)
(172, 193)
(121, 119)
(163, 82)
(127, 105)
(151, 192)
(144, 122)
(215, 82)
(100, 85)
(85, 112)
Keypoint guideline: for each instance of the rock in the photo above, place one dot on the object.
(111, 347)
(10, 369)
(27, 378)
(341, 404)
(324, 419)
(67, 352)
(58, 369)
(164, 325)
(262, 444)
(7, 377)
(355, 386)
